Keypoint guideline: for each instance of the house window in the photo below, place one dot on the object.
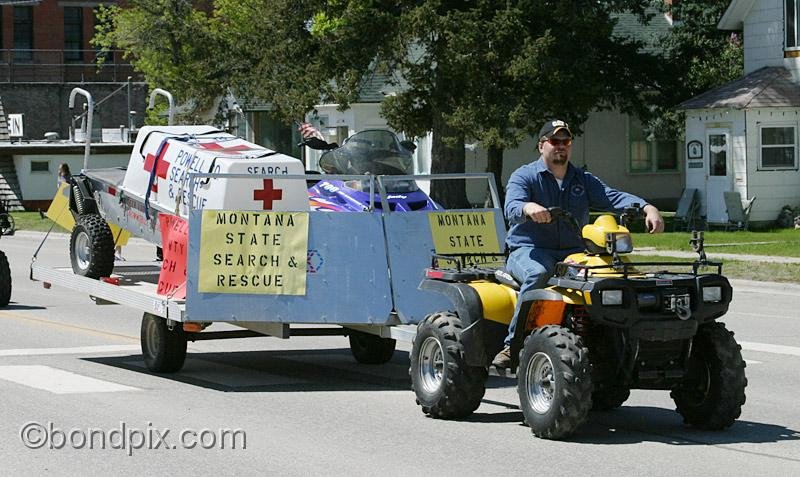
(650, 155)
(73, 33)
(23, 33)
(40, 166)
(792, 8)
(778, 147)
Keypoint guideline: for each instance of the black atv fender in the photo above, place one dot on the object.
(468, 306)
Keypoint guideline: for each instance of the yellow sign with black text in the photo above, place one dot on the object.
(464, 232)
(248, 252)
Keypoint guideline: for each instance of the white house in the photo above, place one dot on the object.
(743, 135)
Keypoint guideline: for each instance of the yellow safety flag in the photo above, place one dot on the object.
(59, 213)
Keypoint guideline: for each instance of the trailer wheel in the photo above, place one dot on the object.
(163, 350)
(554, 382)
(370, 349)
(5, 281)
(712, 392)
(446, 387)
(91, 247)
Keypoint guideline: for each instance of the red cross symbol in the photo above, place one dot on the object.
(161, 167)
(268, 194)
(213, 146)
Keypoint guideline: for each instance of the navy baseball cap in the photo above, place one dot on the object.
(552, 127)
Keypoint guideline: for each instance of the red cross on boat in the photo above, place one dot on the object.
(268, 194)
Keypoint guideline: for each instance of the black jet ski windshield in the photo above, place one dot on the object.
(374, 151)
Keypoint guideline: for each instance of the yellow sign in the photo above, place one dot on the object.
(59, 213)
(464, 232)
(253, 252)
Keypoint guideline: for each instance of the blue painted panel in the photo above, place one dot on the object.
(347, 281)
(410, 247)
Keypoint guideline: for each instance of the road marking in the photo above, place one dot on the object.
(770, 348)
(75, 350)
(58, 381)
(752, 361)
(56, 324)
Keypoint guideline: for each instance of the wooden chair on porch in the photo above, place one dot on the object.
(687, 215)
(738, 212)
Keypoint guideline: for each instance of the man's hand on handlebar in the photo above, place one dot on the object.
(536, 212)
(653, 220)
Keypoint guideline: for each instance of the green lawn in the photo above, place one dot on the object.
(759, 271)
(32, 221)
(780, 242)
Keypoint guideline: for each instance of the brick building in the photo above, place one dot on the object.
(46, 52)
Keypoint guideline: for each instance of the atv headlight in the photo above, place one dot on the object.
(620, 241)
(712, 294)
(611, 297)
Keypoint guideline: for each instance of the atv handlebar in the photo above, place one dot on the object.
(557, 213)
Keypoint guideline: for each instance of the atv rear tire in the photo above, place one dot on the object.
(554, 382)
(370, 349)
(446, 387)
(5, 281)
(605, 398)
(91, 247)
(712, 392)
(163, 350)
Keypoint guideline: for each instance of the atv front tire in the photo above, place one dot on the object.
(91, 247)
(554, 382)
(446, 387)
(609, 397)
(712, 392)
(370, 349)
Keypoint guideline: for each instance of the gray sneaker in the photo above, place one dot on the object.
(503, 358)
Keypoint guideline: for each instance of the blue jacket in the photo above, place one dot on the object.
(579, 192)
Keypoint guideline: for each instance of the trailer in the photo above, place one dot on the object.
(281, 273)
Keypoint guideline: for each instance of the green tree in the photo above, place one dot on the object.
(699, 57)
(172, 42)
(480, 69)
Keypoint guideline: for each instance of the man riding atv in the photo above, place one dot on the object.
(535, 243)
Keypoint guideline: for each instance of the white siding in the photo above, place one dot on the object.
(698, 122)
(763, 35)
(773, 189)
(42, 185)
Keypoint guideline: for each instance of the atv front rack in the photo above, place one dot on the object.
(577, 271)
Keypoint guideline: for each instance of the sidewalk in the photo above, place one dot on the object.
(716, 256)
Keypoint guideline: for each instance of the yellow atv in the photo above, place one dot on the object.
(601, 328)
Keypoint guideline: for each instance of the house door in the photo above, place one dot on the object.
(719, 176)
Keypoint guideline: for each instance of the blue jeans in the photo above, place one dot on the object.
(532, 267)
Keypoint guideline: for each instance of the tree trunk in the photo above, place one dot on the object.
(494, 165)
(445, 159)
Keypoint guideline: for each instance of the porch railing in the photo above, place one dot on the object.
(64, 66)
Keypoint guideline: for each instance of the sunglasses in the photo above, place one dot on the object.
(554, 141)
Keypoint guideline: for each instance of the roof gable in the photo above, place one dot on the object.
(763, 88)
(733, 18)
